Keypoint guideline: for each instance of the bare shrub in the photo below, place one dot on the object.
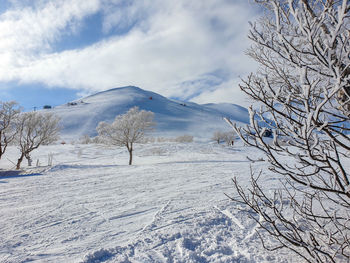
(96, 140)
(163, 139)
(184, 138)
(85, 139)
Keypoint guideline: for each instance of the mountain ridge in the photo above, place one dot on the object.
(173, 118)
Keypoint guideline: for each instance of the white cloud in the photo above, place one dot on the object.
(170, 43)
(33, 28)
(227, 92)
(28, 31)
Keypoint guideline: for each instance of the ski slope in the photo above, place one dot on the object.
(170, 206)
(173, 118)
(90, 206)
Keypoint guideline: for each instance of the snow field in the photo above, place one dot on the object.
(92, 207)
(173, 118)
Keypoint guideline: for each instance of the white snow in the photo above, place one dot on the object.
(173, 118)
(170, 206)
(92, 207)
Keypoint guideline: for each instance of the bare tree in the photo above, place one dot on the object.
(35, 129)
(8, 114)
(127, 129)
(303, 87)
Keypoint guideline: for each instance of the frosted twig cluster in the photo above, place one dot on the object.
(302, 88)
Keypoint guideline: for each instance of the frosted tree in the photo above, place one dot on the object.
(127, 129)
(33, 130)
(218, 136)
(229, 138)
(8, 114)
(303, 87)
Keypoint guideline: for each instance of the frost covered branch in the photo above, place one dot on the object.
(303, 85)
(127, 129)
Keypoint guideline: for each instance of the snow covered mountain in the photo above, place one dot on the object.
(173, 118)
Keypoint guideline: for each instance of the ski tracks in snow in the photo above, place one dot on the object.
(156, 217)
(227, 213)
(178, 234)
(89, 208)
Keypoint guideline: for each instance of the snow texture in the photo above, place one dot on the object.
(170, 206)
(90, 206)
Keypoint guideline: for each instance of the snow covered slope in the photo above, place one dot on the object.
(90, 206)
(173, 118)
(236, 112)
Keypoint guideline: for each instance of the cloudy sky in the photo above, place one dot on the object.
(53, 51)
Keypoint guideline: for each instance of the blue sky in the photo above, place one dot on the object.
(56, 51)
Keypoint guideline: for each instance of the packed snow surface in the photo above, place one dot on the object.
(90, 206)
(173, 118)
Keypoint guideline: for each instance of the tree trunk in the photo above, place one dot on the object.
(19, 161)
(28, 159)
(1, 151)
(130, 156)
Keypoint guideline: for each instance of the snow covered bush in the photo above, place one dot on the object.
(149, 139)
(85, 139)
(184, 138)
(228, 137)
(127, 129)
(218, 136)
(9, 112)
(162, 139)
(33, 130)
(95, 140)
(156, 151)
(303, 88)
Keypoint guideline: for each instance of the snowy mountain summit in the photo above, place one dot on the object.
(173, 118)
